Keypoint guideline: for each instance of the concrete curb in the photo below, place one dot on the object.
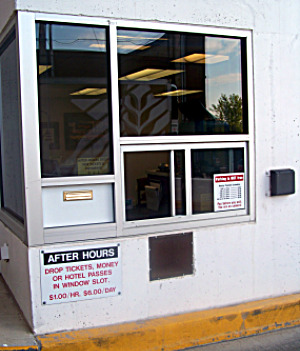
(20, 348)
(181, 331)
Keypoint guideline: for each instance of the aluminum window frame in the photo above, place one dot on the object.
(156, 143)
(30, 127)
(189, 216)
(92, 231)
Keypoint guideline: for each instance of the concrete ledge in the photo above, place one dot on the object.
(183, 331)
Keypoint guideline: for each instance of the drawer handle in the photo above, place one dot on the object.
(78, 195)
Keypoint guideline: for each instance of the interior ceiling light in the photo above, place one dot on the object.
(101, 46)
(151, 74)
(178, 92)
(90, 91)
(202, 58)
(140, 38)
(133, 47)
(44, 68)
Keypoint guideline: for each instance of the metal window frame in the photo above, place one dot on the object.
(30, 127)
(189, 217)
(155, 143)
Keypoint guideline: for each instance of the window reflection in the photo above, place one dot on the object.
(12, 187)
(206, 163)
(174, 83)
(224, 82)
(74, 107)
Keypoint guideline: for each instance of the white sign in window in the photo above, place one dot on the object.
(81, 273)
(229, 191)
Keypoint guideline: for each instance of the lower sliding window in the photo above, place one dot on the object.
(160, 184)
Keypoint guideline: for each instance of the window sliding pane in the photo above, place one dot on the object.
(180, 84)
(205, 164)
(147, 185)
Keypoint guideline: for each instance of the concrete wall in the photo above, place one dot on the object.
(7, 10)
(233, 263)
(16, 271)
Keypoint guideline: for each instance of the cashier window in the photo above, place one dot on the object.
(181, 183)
(152, 118)
(183, 125)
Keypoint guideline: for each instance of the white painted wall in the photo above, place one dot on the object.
(16, 271)
(233, 263)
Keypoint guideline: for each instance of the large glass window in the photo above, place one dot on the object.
(11, 152)
(182, 133)
(180, 84)
(74, 100)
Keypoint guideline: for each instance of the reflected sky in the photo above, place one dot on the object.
(220, 77)
(224, 77)
(74, 38)
(129, 41)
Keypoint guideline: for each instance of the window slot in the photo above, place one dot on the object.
(78, 195)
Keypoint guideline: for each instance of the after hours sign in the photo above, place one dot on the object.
(229, 191)
(81, 273)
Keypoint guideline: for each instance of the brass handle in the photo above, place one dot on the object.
(78, 195)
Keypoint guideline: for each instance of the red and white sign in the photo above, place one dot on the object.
(229, 191)
(81, 273)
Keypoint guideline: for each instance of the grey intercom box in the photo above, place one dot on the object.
(282, 182)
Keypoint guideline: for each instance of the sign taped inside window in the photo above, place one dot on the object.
(229, 191)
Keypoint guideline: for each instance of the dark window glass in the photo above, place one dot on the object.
(11, 151)
(74, 100)
(180, 182)
(147, 185)
(180, 84)
(207, 163)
